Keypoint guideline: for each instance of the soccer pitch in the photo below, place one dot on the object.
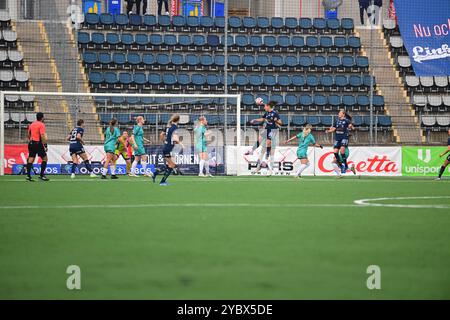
(225, 238)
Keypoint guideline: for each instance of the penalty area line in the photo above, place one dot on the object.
(374, 202)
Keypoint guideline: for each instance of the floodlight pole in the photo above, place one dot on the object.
(371, 79)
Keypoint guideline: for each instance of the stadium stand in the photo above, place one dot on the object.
(430, 96)
(307, 65)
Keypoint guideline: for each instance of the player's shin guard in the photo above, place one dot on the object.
(441, 171)
(74, 167)
(88, 165)
(336, 168)
(302, 168)
(344, 159)
(43, 167)
(166, 174)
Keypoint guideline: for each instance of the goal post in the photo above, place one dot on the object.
(63, 109)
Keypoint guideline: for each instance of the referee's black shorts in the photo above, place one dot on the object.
(36, 148)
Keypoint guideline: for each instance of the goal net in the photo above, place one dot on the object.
(226, 128)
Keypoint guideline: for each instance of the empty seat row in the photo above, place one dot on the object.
(162, 61)
(217, 24)
(11, 59)
(13, 79)
(8, 38)
(15, 101)
(433, 120)
(293, 120)
(241, 43)
(5, 19)
(431, 100)
(22, 118)
(168, 81)
(427, 84)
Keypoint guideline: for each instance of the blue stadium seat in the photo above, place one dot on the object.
(150, 22)
(117, 100)
(312, 80)
(193, 23)
(276, 24)
(241, 42)
(355, 82)
(256, 42)
(270, 42)
(326, 42)
(92, 20)
(291, 24)
(133, 59)
(148, 59)
(269, 80)
(347, 25)
(248, 99)
(219, 24)
(230, 41)
(249, 61)
(357, 121)
(170, 41)
(169, 80)
(348, 62)
(305, 100)
(234, 61)
(106, 20)
(277, 61)
(241, 80)
(291, 62)
(319, 62)
(118, 58)
(123, 118)
(334, 61)
(192, 61)
(255, 80)
(104, 58)
(354, 43)
(140, 79)
(378, 101)
(327, 121)
(363, 102)
(348, 101)
(263, 24)
(206, 23)
(110, 79)
(368, 79)
(121, 20)
(213, 80)
(284, 42)
(340, 43)
(183, 80)
(305, 61)
(206, 61)
(89, 58)
(278, 98)
(326, 81)
(126, 40)
(95, 78)
(164, 22)
(298, 80)
(199, 41)
(235, 23)
(177, 60)
(305, 25)
(198, 80)
(298, 42)
(312, 42)
(141, 40)
(213, 40)
(335, 101)
(83, 39)
(178, 23)
(284, 80)
(98, 39)
(263, 61)
(162, 59)
(333, 25)
(156, 40)
(154, 79)
(184, 42)
(320, 100)
(362, 62)
(113, 40)
(135, 21)
(341, 81)
(298, 120)
(219, 60)
(313, 120)
(105, 118)
(319, 24)
(384, 121)
(291, 99)
(125, 78)
(249, 23)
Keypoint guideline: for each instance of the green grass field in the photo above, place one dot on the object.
(224, 238)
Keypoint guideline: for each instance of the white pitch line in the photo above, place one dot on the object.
(369, 202)
(176, 205)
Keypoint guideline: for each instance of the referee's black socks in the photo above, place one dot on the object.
(43, 167)
(29, 168)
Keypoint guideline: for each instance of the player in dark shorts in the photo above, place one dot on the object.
(169, 138)
(447, 160)
(37, 145)
(76, 149)
(341, 135)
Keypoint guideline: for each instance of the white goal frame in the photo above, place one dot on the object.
(138, 95)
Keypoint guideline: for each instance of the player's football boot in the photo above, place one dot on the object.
(72, 176)
(93, 175)
(44, 178)
(163, 184)
(133, 175)
(353, 170)
(103, 177)
(29, 179)
(114, 177)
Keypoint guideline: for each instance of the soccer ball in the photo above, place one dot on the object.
(259, 101)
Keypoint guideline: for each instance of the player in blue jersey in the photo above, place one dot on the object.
(112, 134)
(200, 146)
(341, 135)
(447, 160)
(76, 149)
(305, 139)
(169, 138)
(137, 142)
(272, 122)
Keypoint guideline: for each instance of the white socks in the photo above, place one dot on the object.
(336, 168)
(133, 167)
(302, 168)
(104, 171)
(113, 169)
(206, 165)
(201, 166)
(144, 166)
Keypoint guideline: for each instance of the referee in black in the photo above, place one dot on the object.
(37, 145)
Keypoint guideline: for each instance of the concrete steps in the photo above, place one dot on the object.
(397, 105)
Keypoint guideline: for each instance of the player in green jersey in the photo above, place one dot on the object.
(137, 141)
(112, 133)
(200, 145)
